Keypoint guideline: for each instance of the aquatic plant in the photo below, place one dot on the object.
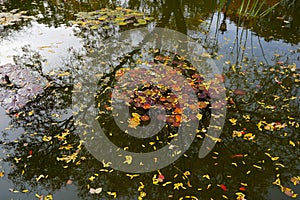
(253, 9)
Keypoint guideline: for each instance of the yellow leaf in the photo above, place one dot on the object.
(128, 160)
(92, 178)
(132, 175)
(48, 197)
(167, 183)
(47, 138)
(114, 194)
(199, 116)
(292, 143)
(141, 187)
(225, 197)
(259, 167)
(206, 176)
(233, 121)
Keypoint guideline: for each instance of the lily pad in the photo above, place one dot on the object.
(105, 17)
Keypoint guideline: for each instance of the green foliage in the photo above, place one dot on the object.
(253, 9)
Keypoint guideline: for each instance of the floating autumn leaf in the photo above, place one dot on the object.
(240, 196)
(177, 186)
(96, 191)
(239, 92)
(114, 194)
(233, 121)
(132, 175)
(2, 174)
(199, 116)
(202, 104)
(48, 197)
(237, 133)
(289, 192)
(46, 138)
(223, 187)
(206, 176)
(128, 160)
(249, 136)
(134, 121)
(237, 156)
(295, 180)
(272, 158)
(160, 178)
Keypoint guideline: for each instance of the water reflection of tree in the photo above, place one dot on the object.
(259, 85)
(59, 12)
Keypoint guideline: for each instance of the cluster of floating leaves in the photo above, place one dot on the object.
(161, 97)
(107, 18)
(13, 17)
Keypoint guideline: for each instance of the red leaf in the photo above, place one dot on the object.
(161, 178)
(237, 156)
(242, 189)
(223, 187)
(145, 118)
(30, 152)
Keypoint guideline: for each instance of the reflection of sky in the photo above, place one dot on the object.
(52, 43)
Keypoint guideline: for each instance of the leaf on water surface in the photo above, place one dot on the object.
(249, 136)
(95, 191)
(48, 197)
(206, 176)
(240, 196)
(13, 190)
(160, 178)
(134, 121)
(223, 187)
(177, 186)
(233, 121)
(128, 160)
(292, 143)
(132, 175)
(295, 180)
(239, 92)
(114, 194)
(289, 192)
(199, 116)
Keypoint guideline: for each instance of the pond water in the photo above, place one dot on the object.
(42, 156)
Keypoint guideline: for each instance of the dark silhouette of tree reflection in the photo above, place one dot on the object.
(261, 84)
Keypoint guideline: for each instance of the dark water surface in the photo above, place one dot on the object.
(259, 58)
